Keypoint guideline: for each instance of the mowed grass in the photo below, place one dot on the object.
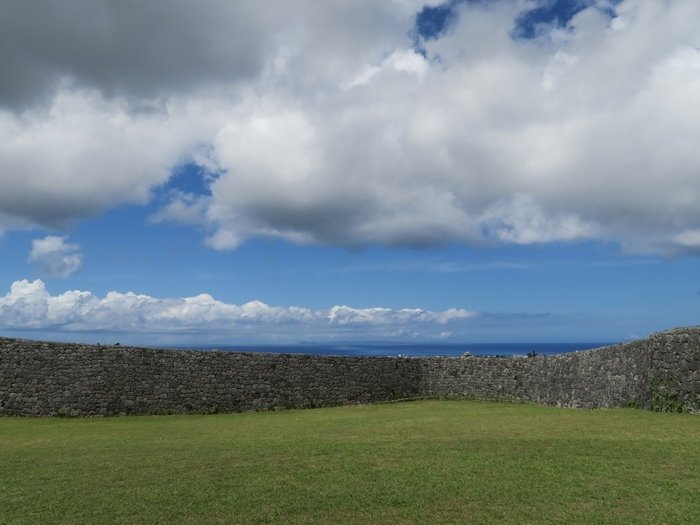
(417, 462)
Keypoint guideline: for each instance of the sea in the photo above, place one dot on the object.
(416, 350)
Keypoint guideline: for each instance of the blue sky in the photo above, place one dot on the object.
(460, 172)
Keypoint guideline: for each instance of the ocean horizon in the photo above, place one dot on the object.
(412, 350)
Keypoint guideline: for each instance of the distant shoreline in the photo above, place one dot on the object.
(410, 350)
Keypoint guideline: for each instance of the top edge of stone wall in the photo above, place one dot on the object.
(48, 345)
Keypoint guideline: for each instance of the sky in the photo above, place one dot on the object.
(274, 172)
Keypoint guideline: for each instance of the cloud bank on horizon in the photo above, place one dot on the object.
(350, 124)
(28, 307)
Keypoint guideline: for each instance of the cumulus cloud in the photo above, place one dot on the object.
(82, 155)
(327, 125)
(29, 306)
(8, 222)
(345, 315)
(146, 53)
(143, 51)
(54, 257)
(522, 221)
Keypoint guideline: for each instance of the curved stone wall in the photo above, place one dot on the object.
(58, 379)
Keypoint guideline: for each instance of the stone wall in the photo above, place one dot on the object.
(606, 377)
(659, 373)
(64, 379)
(58, 379)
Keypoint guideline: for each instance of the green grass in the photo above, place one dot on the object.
(419, 462)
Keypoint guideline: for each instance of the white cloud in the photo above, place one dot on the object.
(183, 208)
(583, 134)
(85, 154)
(8, 222)
(325, 126)
(403, 60)
(29, 306)
(345, 315)
(685, 242)
(521, 221)
(54, 257)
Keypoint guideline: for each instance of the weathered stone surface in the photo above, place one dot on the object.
(58, 379)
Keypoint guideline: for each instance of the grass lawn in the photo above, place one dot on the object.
(418, 462)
